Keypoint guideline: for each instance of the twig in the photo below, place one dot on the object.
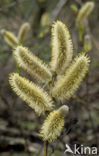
(79, 2)
(57, 10)
(45, 148)
(32, 5)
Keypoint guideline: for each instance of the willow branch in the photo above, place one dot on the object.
(45, 148)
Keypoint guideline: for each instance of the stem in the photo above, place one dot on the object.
(18, 70)
(45, 148)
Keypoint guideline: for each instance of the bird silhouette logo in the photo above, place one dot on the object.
(68, 149)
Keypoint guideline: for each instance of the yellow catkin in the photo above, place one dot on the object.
(10, 38)
(62, 47)
(85, 11)
(32, 64)
(33, 95)
(23, 31)
(67, 84)
(54, 123)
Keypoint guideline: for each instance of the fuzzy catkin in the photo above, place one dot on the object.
(62, 47)
(54, 123)
(10, 38)
(85, 11)
(29, 92)
(23, 31)
(32, 64)
(67, 84)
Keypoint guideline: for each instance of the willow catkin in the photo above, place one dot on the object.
(32, 64)
(62, 47)
(10, 38)
(85, 11)
(67, 84)
(29, 92)
(23, 32)
(54, 123)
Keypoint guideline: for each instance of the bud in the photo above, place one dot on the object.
(87, 43)
(10, 38)
(45, 19)
(23, 31)
(85, 11)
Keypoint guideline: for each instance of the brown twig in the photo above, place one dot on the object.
(45, 148)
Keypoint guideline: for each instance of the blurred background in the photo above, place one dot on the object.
(19, 125)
